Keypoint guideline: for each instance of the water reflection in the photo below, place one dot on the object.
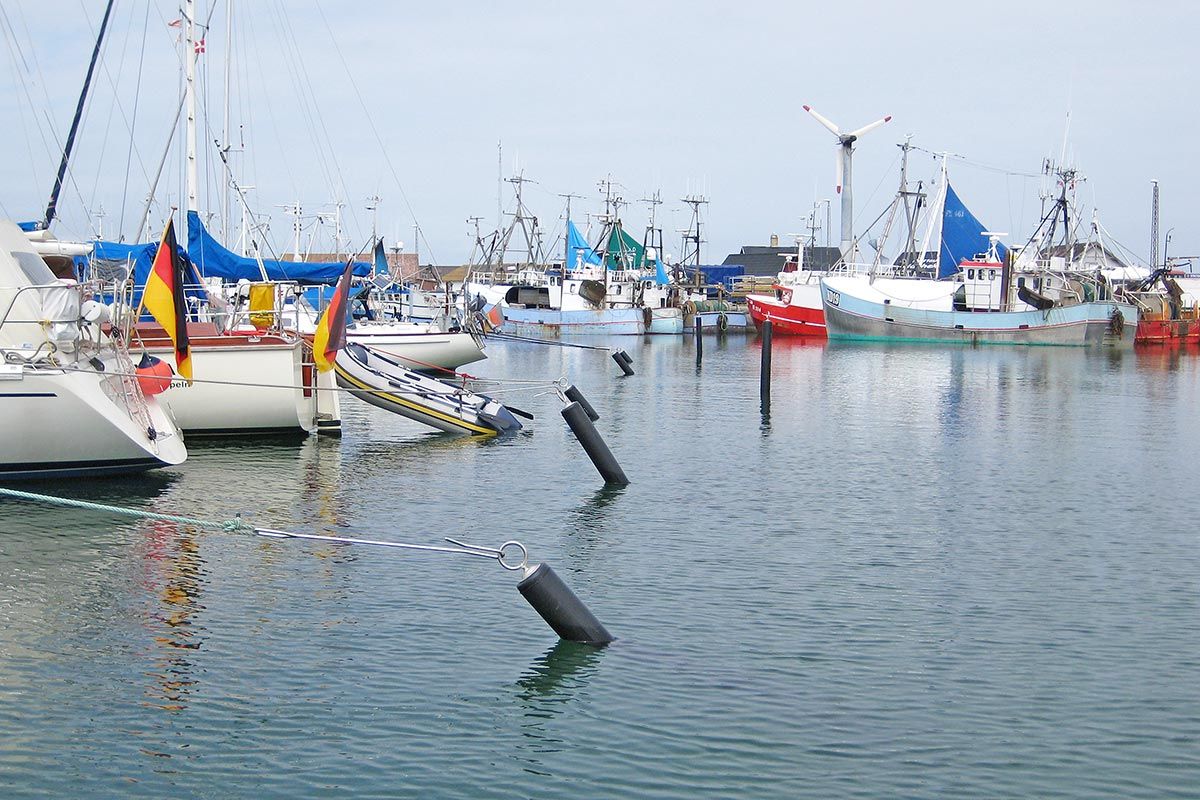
(176, 574)
(588, 521)
(557, 675)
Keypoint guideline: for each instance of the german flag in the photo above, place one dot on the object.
(163, 298)
(330, 335)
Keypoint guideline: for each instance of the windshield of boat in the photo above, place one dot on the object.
(34, 267)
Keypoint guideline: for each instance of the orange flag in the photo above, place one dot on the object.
(163, 298)
(330, 335)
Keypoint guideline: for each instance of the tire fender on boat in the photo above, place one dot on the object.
(722, 322)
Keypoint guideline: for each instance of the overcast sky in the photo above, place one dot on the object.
(407, 101)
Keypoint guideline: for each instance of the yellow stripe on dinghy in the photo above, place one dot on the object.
(427, 410)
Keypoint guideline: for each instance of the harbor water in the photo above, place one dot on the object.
(931, 572)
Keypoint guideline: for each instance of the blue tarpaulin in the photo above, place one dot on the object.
(214, 261)
(962, 236)
(579, 252)
(719, 274)
(140, 258)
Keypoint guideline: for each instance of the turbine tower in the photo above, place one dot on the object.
(846, 142)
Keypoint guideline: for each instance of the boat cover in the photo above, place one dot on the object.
(214, 261)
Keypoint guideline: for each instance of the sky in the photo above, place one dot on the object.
(345, 101)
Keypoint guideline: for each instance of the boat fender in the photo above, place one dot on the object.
(623, 361)
(647, 316)
(722, 323)
(153, 375)
(602, 458)
(560, 607)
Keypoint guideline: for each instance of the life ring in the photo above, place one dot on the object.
(722, 322)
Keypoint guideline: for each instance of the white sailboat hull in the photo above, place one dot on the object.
(243, 387)
(66, 424)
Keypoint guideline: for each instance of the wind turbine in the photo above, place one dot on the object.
(846, 141)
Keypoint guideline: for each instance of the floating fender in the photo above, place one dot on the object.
(603, 459)
(623, 361)
(576, 396)
(562, 610)
(722, 323)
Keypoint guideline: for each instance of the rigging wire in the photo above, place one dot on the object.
(137, 93)
(978, 164)
(23, 76)
(374, 130)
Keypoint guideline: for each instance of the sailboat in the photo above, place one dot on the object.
(72, 405)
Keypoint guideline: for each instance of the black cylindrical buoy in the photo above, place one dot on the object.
(623, 361)
(562, 610)
(576, 396)
(593, 445)
(764, 375)
(698, 327)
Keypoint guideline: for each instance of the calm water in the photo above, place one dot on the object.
(934, 573)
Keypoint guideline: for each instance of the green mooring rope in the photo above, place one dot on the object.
(234, 525)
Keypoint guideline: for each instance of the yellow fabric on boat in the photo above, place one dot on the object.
(262, 305)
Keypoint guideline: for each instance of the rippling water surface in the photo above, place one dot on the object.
(931, 572)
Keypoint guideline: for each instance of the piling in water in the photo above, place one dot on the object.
(623, 361)
(764, 374)
(593, 445)
(698, 327)
(576, 396)
(562, 610)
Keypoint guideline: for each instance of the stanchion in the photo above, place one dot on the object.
(764, 375)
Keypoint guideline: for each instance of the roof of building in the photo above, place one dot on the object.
(759, 260)
(1077, 252)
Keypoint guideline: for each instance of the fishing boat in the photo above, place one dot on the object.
(386, 383)
(599, 292)
(919, 274)
(72, 405)
(995, 304)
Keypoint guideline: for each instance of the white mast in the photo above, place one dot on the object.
(225, 122)
(189, 56)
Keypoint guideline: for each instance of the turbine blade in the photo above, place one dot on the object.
(832, 128)
(871, 127)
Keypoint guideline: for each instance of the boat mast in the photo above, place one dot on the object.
(692, 235)
(189, 55)
(1154, 226)
(225, 117)
(52, 206)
